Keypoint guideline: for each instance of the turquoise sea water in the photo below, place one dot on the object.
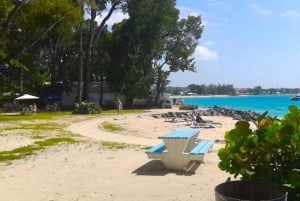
(276, 105)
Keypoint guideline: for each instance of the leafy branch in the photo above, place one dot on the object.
(270, 153)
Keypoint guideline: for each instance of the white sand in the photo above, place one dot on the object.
(84, 172)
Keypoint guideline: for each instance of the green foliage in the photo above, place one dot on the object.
(212, 89)
(22, 152)
(87, 108)
(115, 145)
(38, 116)
(136, 50)
(270, 153)
(5, 8)
(36, 126)
(111, 127)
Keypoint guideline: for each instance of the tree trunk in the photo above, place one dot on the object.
(88, 62)
(157, 90)
(101, 90)
(80, 75)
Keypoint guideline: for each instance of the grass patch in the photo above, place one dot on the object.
(116, 145)
(51, 134)
(38, 116)
(22, 152)
(55, 141)
(111, 127)
(17, 153)
(37, 136)
(35, 126)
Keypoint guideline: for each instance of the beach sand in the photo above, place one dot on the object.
(89, 172)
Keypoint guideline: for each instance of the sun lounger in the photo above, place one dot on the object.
(202, 125)
(198, 122)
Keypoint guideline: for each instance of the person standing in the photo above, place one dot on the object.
(119, 106)
(34, 108)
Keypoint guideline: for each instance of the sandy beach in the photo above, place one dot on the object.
(87, 171)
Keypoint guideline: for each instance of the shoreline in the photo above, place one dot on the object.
(198, 96)
(275, 105)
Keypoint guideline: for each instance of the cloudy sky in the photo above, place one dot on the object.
(246, 43)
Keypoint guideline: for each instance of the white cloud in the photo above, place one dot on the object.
(202, 53)
(290, 14)
(257, 8)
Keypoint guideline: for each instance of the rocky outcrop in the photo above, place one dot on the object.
(235, 114)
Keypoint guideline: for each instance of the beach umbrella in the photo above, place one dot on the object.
(27, 97)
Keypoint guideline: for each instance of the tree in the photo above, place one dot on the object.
(257, 90)
(96, 8)
(102, 61)
(9, 33)
(176, 49)
(38, 27)
(134, 44)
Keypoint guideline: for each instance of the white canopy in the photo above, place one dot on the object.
(27, 97)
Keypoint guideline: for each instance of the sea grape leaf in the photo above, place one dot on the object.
(242, 124)
(294, 110)
(294, 179)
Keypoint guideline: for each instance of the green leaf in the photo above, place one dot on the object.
(294, 110)
(242, 124)
(271, 153)
(294, 179)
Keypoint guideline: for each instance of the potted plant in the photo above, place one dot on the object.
(269, 153)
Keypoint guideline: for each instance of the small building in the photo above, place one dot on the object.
(109, 97)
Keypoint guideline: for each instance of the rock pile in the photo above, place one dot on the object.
(235, 114)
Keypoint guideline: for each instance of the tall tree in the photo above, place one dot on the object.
(52, 48)
(9, 33)
(41, 29)
(96, 7)
(176, 49)
(139, 39)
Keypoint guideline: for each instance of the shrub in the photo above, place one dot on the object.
(188, 107)
(87, 108)
(270, 153)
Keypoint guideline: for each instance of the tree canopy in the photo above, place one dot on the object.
(46, 45)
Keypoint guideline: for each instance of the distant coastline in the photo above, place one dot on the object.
(197, 96)
(216, 96)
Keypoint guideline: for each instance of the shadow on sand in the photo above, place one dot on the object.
(157, 168)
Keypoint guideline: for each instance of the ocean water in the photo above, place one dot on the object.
(276, 105)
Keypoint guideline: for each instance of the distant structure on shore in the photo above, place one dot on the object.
(212, 90)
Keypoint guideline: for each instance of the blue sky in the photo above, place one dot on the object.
(246, 43)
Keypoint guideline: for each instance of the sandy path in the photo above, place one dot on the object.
(87, 172)
(92, 129)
